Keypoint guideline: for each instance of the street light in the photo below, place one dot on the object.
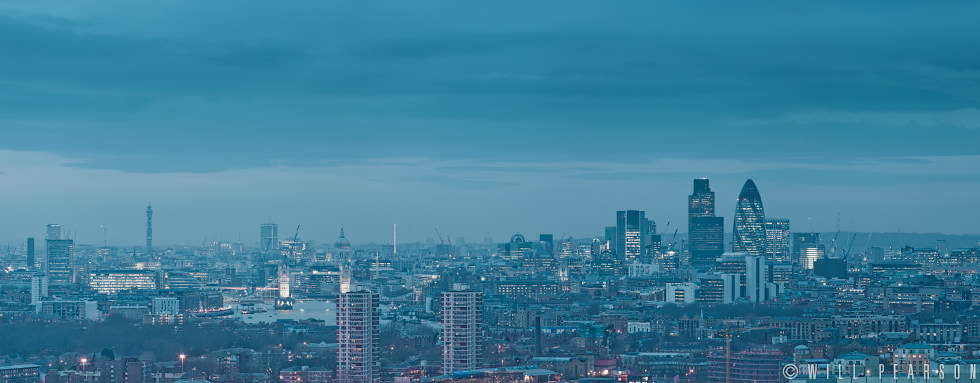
(84, 360)
(182, 357)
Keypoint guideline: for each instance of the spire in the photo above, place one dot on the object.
(149, 229)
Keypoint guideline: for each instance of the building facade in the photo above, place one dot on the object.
(358, 337)
(777, 241)
(461, 330)
(749, 233)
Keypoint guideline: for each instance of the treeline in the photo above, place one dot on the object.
(125, 338)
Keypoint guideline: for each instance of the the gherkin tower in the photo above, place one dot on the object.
(749, 235)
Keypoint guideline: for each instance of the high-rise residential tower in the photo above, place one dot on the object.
(149, 229)
(268, 237)
(749, 234)
(358, 338)
(777, 241)
(706, 232)
(461, 334)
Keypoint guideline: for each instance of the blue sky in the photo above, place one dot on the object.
(482, 118)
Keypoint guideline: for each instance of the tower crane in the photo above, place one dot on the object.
(728, 346)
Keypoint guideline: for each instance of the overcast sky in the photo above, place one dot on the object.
(482, 118)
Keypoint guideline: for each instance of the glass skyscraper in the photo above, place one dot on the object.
(705, 232)
(632, 232)
(60, 261)
(749, 235)
(777, 241)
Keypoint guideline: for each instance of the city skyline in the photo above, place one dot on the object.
(542, 123)
(562, 191)
(382, 232)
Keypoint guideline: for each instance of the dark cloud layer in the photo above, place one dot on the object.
(201, 87)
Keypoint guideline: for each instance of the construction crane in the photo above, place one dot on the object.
(296, 236)
(441, 241)
(849, 245)
(674, 239)
(728, 346)
(833, 243)
(663, 236)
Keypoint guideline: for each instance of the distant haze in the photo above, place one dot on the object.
(482, 119)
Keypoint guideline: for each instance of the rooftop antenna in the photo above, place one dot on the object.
(394, 238)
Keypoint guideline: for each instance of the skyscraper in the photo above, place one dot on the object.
(268, 237)
(707, 240)
(461, 317)
(777, 241)
(31, 260)
(702, 226)
(701, 203)
(632, 233)
(358, 338)
(749, 233)
(60, 262)
(149, 229)
(705, 232)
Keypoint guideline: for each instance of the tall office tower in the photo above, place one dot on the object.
(705, 232)
(756, 278)
(749, 233)
(632, 228)
(31, 260)
(461, 314)
(149, 229)
(707, 240)
(777, 241)
(54, 231)
(268, 237)
(807, 249)
(701, 203)
(358, 338)
(60, 262)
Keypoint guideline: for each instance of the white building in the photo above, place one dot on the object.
(39, 288)
(638, 327)
(358, 337)
(461, 335)
(680, 293)
(70, 310)
(166, 306)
